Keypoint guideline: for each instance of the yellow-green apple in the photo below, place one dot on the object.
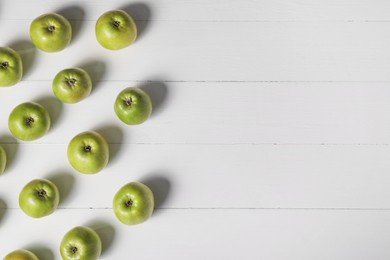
(29, 121)
(133, 106)
(115, 30)
(133, 203)
(72, 85)
(11, 67)
(39, 198)
(51, 32)
(3, 160)
(81, 243)
(88, 152)
(21, 254)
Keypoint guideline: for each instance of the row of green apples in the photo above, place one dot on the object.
(88, 152)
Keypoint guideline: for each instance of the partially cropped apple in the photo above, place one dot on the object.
(11, 67)
(39, 198)
(21, 254)
(133, 106)
(88, 152)
(133, 203)
(115, 30)
(81, 243)
(51, 32)
(72, 85)
(29, 121)
(3, 160)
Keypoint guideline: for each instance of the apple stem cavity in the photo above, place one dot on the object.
(71, 82)
(74, 250)
(129, 203)
(41, 193)
(116, 24)
(128, 102)
(4, 64)
(87, 148)
(51, 28)
(29, 121)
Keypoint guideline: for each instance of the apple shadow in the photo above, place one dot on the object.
(64, 182)
(141, 14)
(158, 93)
(27, 51)
(105, 231)
(10, 145)
(43, 253)
(114, 136)
(3, 209)
(96, 70)
(160, 187)
(75, 15)
(53, 107)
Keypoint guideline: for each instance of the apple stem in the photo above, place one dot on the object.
(29, 120)
(51, 28)
(129, 203)
(116, 24)
(71, 82)
(87, 148)
(41, 193)
(128, 102)
(4, 65)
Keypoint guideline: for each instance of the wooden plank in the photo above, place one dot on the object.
(209, 10)
(211, 234)
(219, 113)
(214, 176)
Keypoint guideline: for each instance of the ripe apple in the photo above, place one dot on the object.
(3, 160)
(21, 254)
(72, 85)
(133, 203)
(115, 30)
(11, 67)
(88, 152)
(39, 198)
(133, 106)
(29, 121)
(82, 243)
(50, 32)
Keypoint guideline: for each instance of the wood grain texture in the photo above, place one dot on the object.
(269, 137)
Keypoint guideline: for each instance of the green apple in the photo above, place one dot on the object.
(133, 106)
(29, 121)
(72, 85)
(88, 152)
(39, 198)
(3, 160)
(11, 67)
(133, 203)
(81, 243)
(50, 32)
(115, 30)
(21, 254)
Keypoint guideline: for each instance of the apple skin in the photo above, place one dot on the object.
(11, 67)
(115, 30)
(29, 121)
(133, 106)
(81, 243)
(39, 198)
(133, 203)
(88, 152)
(3, 160)
(51, 32)
(72, 85)
(21, 254)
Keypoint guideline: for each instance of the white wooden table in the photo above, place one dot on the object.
(269, 139)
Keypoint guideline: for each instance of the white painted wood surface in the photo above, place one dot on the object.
(270, 137)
